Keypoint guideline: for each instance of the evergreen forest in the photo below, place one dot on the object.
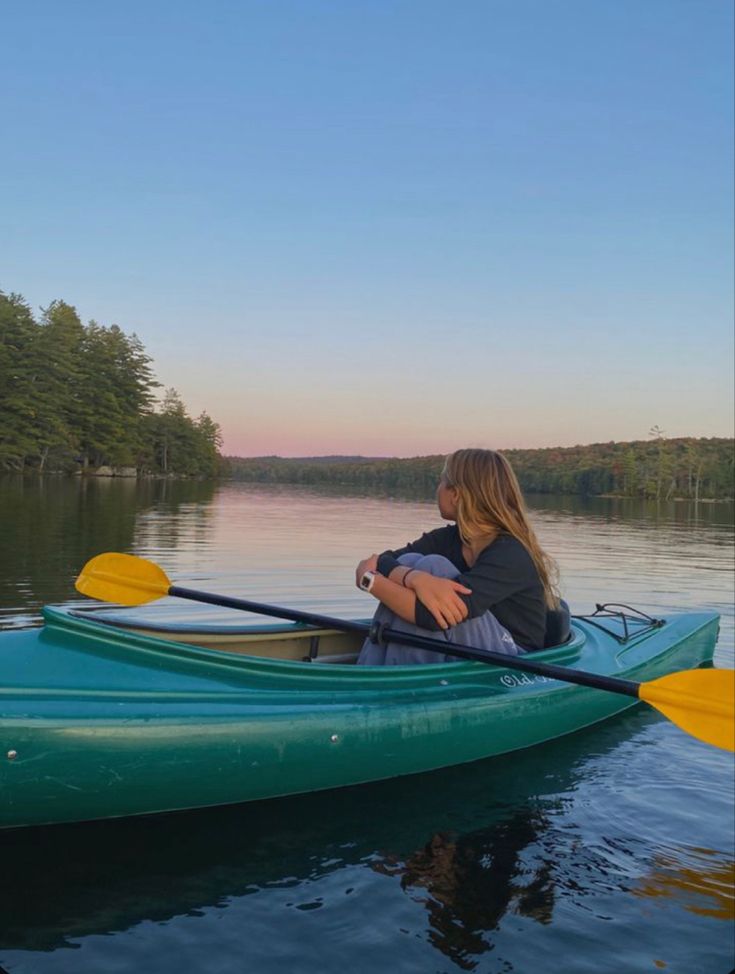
(77, 397)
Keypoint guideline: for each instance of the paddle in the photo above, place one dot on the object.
(701, 702)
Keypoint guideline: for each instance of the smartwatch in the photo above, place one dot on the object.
(367, 581)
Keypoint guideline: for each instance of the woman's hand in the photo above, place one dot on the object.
(440, 596)
(366, 565)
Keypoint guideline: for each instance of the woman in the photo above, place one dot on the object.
(483, 581)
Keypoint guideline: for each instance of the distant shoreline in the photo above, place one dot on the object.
(688, 469)
(670, 500)
(677, 470)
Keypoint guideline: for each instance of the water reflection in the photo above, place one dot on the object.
(473, 880)
(633, 509)
(701, 880)
(50, 526)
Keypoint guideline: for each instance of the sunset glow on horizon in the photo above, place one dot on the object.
(390, 229)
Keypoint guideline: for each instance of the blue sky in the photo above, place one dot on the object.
(387, 228)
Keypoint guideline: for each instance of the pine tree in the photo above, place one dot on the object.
(114, 393)
(55, 382)
(210, 442)
(18, 333)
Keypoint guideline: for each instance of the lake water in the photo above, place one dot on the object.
(608, 851)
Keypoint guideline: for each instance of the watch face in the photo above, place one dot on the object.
(366, 581)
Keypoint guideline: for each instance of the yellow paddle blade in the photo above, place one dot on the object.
(114, 577)
(701, 702)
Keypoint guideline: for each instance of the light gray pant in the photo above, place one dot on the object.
(482, 632)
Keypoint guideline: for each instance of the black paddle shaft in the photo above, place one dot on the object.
(384, 635)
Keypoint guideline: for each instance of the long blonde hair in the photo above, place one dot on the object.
(489, 500)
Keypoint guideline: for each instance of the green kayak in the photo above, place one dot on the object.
(101, 719)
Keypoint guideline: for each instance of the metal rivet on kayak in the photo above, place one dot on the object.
(12, 755)
(334, 738)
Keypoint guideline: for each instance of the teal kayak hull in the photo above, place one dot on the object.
(98, 721)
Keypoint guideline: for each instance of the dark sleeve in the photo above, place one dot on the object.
(437, 542)
(503, 569)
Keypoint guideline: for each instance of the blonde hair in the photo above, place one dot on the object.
(489, 500)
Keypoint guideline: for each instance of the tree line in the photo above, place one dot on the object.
(657, 468)
(81, 397)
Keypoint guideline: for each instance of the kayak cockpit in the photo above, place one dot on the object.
(286, 641)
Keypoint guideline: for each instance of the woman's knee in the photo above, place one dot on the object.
(436, 565)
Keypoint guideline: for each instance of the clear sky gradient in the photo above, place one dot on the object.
(388, 228)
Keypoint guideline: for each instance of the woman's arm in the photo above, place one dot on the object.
(441, 596)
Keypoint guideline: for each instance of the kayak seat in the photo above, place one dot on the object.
(558, 625)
